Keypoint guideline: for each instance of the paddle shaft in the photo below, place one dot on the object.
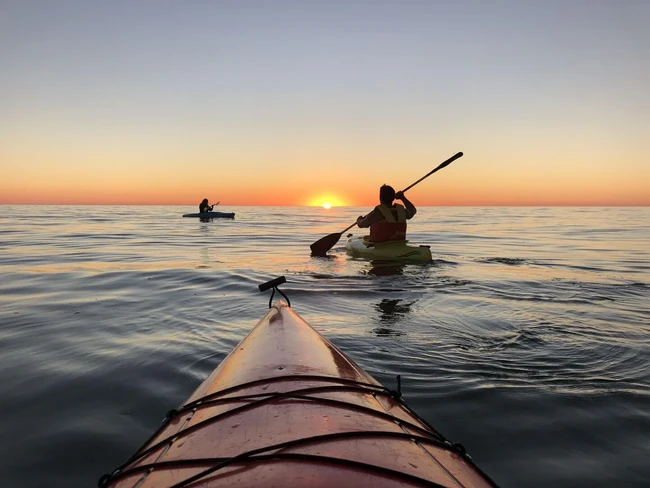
(348, 227)
(437, 168)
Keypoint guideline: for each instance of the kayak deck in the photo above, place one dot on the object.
(212, 215)
(287, 408)
(402, 251)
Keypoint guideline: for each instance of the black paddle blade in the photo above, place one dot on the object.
(321, 246)
(449, 161)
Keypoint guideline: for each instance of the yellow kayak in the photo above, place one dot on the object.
(363, 247)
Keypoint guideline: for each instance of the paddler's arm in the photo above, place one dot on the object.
(371, 218)
(410, 208)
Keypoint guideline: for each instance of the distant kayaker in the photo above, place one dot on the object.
(387, 221)
(205, 206)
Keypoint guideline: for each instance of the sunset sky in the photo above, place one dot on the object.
(302, 102)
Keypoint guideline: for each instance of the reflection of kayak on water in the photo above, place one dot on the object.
(363, 247)
(287, 408)
(212, 215)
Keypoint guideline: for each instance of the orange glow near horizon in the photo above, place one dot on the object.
(450, 191)
(354, 181)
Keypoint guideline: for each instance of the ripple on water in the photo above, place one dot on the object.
(535, 358)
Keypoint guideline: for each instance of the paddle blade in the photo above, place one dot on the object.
(321, 246)
(449, 161)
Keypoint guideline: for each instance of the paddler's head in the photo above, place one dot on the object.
(205, 200)
(386, 195)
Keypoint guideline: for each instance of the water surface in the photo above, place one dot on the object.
(527, 338)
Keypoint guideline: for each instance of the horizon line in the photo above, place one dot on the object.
(316, 206)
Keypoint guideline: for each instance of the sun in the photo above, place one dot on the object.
(325, 200)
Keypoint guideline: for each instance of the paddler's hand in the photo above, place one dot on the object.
(399, 195)
(359, 219)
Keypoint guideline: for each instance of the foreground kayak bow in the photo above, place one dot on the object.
(286, 408)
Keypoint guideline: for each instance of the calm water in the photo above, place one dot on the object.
(527, 339)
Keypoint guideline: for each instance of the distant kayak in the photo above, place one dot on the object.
(362, 247)
(286, 408)
(212, 215)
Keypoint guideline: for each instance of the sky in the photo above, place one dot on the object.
(306, 102)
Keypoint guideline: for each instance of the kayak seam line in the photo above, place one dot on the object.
(466, 456)
(426, 452)
(167, 447)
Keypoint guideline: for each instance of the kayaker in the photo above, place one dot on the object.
(387, 221)
(205, 206)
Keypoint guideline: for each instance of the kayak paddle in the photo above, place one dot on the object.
(321, 246)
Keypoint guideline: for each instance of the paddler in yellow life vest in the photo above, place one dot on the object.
(387, 221)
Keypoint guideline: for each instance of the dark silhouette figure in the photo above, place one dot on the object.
(205, 206)
(387, 221)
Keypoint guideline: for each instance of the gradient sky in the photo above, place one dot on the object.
(295, 103)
